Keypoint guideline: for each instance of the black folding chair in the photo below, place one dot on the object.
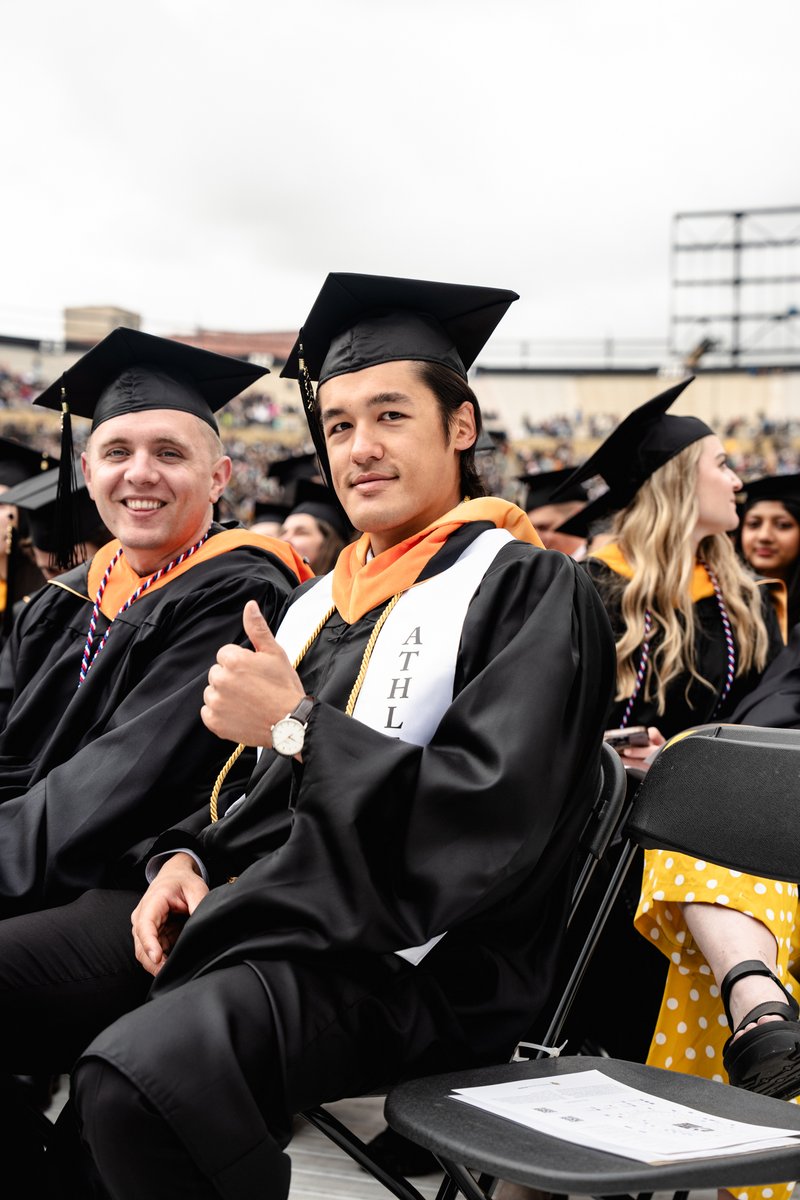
(607, 817)
(699, 797)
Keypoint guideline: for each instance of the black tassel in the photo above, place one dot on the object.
(309, 402)
(66, 528)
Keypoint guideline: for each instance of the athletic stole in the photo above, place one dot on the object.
(409, 681)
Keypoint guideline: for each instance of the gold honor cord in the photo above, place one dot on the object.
(351, 703)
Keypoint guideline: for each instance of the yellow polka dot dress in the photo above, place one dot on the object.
(691, 1028)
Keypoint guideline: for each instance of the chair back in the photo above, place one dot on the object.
(603, 828)
(603, 823)
(729, 794)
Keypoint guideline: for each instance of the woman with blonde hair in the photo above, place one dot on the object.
(694, 632)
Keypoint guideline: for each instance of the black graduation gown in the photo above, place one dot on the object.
(374, 845)
(775, 702)
(700, 706)
(625, 1029)
(90, 775)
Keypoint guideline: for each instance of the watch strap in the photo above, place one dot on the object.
(302, 711)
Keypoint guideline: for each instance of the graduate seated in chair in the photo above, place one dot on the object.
(101, 681)
(387, 896)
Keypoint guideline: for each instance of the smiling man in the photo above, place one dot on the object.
(101, 683)
(388, 894)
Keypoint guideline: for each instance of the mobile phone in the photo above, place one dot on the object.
(635, 736)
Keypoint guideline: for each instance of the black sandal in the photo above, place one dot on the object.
(766, 1059)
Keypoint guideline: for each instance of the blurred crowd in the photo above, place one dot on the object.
(756, 447)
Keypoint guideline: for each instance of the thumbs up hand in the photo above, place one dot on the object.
(249, 690)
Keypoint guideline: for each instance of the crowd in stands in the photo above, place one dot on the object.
(761, 446)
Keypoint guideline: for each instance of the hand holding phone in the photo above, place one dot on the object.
(636, 735)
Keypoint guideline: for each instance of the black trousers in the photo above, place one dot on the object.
(65, 973)
(191, 1095)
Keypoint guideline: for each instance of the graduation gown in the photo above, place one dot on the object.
(90, 775)
(373, 845)
(700, 705)
(775, 701)
(625, 1030)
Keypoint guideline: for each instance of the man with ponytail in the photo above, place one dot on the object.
(388, 895)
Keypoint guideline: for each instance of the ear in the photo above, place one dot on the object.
(220, 476)
(462, 427)
(87, 472)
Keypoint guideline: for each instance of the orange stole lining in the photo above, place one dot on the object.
(360, 585)
(780, 602)
(614, 559)
(124, 581)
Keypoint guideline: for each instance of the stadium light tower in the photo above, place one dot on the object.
(735, 287)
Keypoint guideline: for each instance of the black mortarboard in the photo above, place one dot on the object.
(541, 485)
(772, 487)
(18, 462)
(321, 503)
(296, 466)
(644, 441)
(580, 523)
(37, 498)
(270, 510)
(359, 321)
(129, 371)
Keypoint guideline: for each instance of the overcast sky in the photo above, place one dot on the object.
(206, 163)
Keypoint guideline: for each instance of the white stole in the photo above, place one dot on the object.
(409, 681)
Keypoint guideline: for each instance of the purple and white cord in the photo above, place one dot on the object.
(730, 653)
(730, 645)
(88, 655)
(640, 671)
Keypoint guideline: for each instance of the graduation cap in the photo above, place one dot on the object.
(37, 498)
(296, 466)
(359, 321)
(129, 371)
(320, 502)
(541, 485)
(270, 511)
(18, 462)
(644, 441)
(772, 487)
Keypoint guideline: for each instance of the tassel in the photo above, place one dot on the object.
(66, 529)
(309, 402)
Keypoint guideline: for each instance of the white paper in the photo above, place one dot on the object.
(591, 1109)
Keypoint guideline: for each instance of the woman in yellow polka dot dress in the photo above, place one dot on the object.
(687, 903)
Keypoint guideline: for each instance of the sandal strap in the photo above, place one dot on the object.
(770, 1008)
(752, 966)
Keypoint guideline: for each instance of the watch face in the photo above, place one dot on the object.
(288, 736)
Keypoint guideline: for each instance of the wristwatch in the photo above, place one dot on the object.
(289, 734)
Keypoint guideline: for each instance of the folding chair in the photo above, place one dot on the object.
(698, 798)
(606, 819)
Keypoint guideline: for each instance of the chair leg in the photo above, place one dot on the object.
(346, 1140)
(463, 1181)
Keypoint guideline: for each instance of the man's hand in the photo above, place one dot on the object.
(249, 690)
(159, 916)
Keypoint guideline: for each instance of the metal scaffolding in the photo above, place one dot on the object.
(735, 287)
